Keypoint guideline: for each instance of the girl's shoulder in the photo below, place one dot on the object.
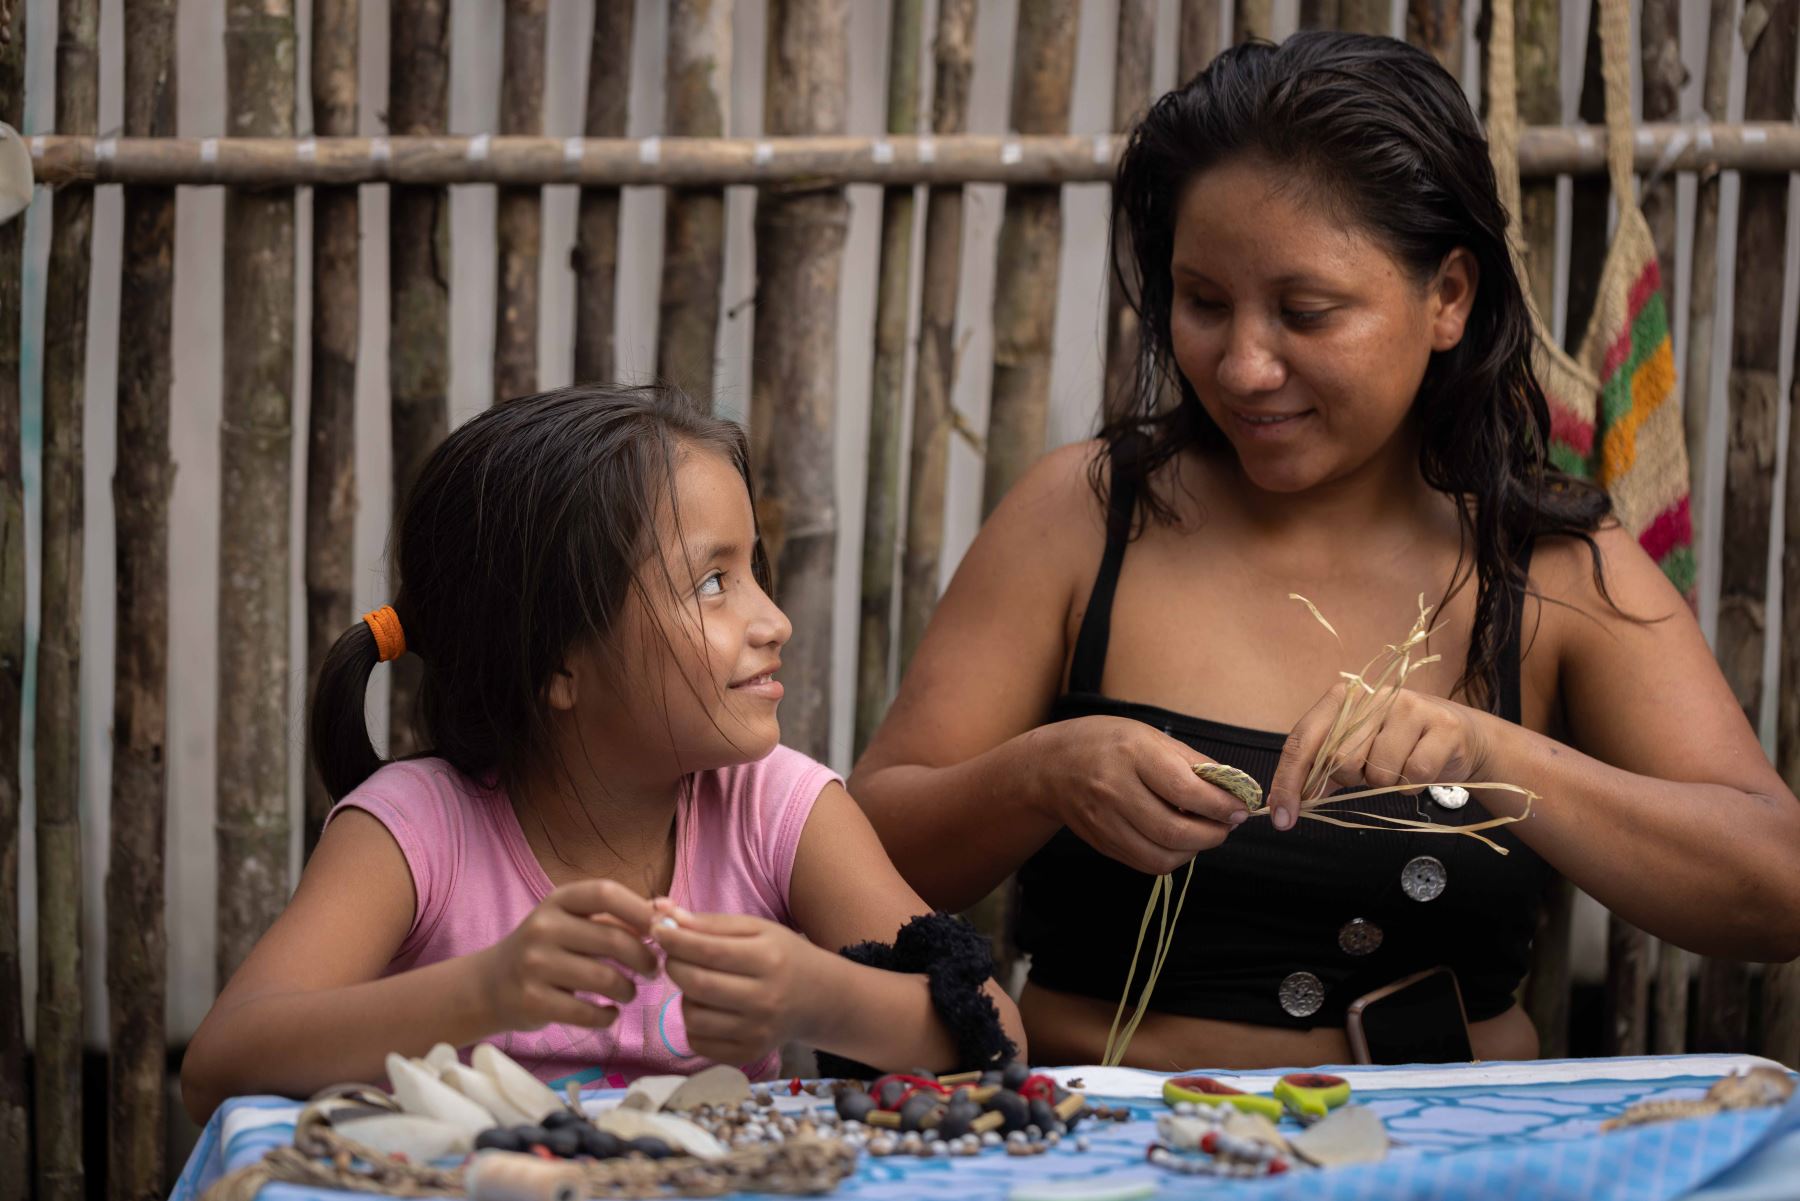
(422, 801)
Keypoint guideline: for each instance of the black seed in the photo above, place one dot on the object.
(601, 1144)
(650, 1148)
(530, 1135)
(913, 1113)
(564, 1143)
(1042, 1116)
(854, 1106)
(1013, 1108)
(1013, 1075)
(556, 1119)
(499, 1139)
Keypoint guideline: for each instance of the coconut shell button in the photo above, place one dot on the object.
(1301, 995)
(1359, 937)
(1424, 878)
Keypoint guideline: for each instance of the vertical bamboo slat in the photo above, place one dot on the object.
(1628, 953)
(1538, 49)
(597, 224)
(1030, 247)
(799, 251)
(136, 926)
(60, 1169)
(1588, 208)
(1370, 16)
(698, 87)
(1197, 37)
(418, 291)
(1133, 61)
(1675, 967)
(1318, 14)
(330, 556)
(934, 375)
(893, 297)
(1252, 19)
(15, 1097)
(1763, 230)
(1547, 987)
(1436, 25)
(256, 488)
(519, 211)
(1697, 385)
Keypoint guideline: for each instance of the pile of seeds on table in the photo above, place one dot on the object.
(960, 1115)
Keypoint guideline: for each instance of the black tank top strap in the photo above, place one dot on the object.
(1088, 664)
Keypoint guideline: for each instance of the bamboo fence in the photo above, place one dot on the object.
(801, 162)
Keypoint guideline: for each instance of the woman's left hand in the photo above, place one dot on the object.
(1420, 740)
(745, 982)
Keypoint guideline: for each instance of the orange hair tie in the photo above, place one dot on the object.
(390, 640)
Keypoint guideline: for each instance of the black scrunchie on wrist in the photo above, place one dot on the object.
(959, 962)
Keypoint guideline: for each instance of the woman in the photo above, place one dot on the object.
(1327, 303)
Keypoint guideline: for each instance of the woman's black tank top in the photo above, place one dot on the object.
(1280, 928)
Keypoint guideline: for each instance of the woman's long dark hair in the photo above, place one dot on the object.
(1383, 133)
(527, 530)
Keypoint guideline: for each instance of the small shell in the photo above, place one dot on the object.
(420, 1139)
(1757, 1087)
(441, 1056)
(677, 1132)
(1449, 796)
(1238, 783)
(477, 1087)
(420, 1092)
(525, 1091)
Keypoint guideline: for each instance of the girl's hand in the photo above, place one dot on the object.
(1129, 791)
(746, 983)
(1421, 740)
(584, 938)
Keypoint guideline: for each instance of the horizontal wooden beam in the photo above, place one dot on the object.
(1765, 147)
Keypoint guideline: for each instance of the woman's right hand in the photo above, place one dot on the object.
(1129, 791)
(585, 937)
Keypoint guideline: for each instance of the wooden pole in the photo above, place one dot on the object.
(1030, 246)
(1319, 14)
(1636, 965)
(58, 751)
(418, 293)
(1763, 230)
(597, 225)
(1538, 49)
(934, 375)
(805, 162)
(255, 493)
(1252, 19)
(1197, 36)
(1547, 986)
(893, 309)
(1436, 25)
(800, 249)
(519, 210)
(1133, 59)
(136, 927)
(1675, 969)
(1697, 384)
(331, 418)
(15, 1095)
(1589, 207)
(1370, 16)
(698, 87)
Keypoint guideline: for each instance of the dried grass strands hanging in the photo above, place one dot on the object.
(1368, 698)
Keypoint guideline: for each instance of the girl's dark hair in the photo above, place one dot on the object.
(525, 533)
(1380, 134)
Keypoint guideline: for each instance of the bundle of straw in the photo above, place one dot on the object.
(1369, 696)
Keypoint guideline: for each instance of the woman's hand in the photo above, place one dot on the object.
(747, 984)
(1129, 791)
(1420, 740)
(585, 937)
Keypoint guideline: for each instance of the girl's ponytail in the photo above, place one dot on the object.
(342, 751)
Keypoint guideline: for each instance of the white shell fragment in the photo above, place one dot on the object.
(1449, 796)
(651, 1093)
(1352, 1134)
(420, 1092)
(484, 1092)
(418, 1138)
(440, 1057)
(16, 177)
(526, 1092)
(720, 1084)
(679, 1133)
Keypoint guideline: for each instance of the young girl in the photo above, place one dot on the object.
(584, 586)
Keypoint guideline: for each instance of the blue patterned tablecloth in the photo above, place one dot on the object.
(1487, 1132)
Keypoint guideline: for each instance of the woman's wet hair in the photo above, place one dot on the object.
(1382, 138)
(528, 529)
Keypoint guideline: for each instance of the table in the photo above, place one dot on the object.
(1476, 1132)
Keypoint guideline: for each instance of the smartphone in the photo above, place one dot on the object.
(1419, 1019)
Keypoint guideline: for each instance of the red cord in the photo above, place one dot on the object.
(914, 1086)
(1039, 1088)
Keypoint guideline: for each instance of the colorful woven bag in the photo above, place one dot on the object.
(1615, 416)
